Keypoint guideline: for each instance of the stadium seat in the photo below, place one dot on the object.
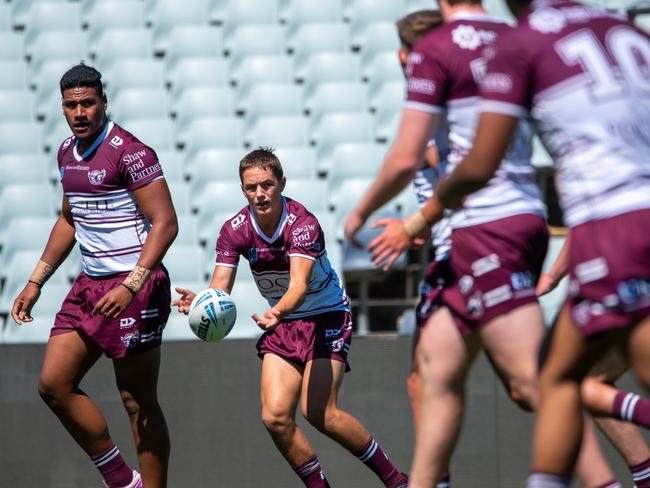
(14, 75)
(110, 14)
(213, 132)
(178, 328)
(262, 69)
(387, 126)
(167, 14)
(20, 11)
(5, 17)
(278, 130)
(320, 37)
(119, 43)
(180, 192)
(54, 134)
(339, 191)
(51, 45)
(209, 226)
(202, 101)
(135, 73)
(339, 128)
(16, 105)
(352, 160)
(248, 300)
(247, 40)
(324, 67)
(271, 99)
(307, 11)
(155, 133)
(415, 5)
(499, 9)
(172, 164)
(382, 67)
(239, 12)
(643, 21)
(310, 192)
(135, 103)
(25, 234)
(11, 46)
(387, 97)
(376, 37)
(188, 231)
(46, 80)
(19, 137)
(195, 72)
(218, 196)
(337, 97)
(25, 200)
(366, 11)
(25, 168)
(193, 41)
(213, 164)
(51, 16)
(297, 161)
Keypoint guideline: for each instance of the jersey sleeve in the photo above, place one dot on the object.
(227, 249)
(425, 81)
(307, 238)
(505, 88)
(140, 165)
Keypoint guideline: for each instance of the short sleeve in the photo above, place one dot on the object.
(227, 252)
(425, 81)
(505, 88)
(140, 165)
(307, 239)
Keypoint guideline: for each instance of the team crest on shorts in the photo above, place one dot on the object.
(96, 176)
(130, 340)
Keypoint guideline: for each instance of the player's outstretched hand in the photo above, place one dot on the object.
(183, 303)
(269, 321)
(114, 302)
(390, 244)
(22, 309)
(547, 283)
(352, 225)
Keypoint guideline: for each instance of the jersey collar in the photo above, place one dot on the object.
(278, 229)
(98, 141)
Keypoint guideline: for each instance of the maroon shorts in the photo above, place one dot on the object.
(437, 277)
(609, 269)
(138, 329)
(495, 268)
(324, 336)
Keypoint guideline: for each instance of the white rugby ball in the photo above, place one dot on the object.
(212, 314)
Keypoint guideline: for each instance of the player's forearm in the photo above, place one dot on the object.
(560, 267)
(160, 237)
(396, 173)
(60, 242)
(291, 300)
(462, 182)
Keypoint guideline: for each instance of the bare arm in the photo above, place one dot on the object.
(399, 167)
(300, 271)
(59, 244)
(549, 280)
(156, 204)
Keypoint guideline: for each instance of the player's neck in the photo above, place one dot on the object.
(269, 222)
(86, 142)
(451, 11)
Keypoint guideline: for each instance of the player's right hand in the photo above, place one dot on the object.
(183, 303)
(24, 302)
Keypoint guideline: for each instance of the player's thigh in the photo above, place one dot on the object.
(68, 357)
(639, 351)
(136, 376)
(443, 354)
(280, 385)
(320, 385)
(512, 341)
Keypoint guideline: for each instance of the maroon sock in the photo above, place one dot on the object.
(611, 484)
(444, 481)
(111, 465)
(372, 456)
(311, 474)
(641, 474)
(631, 407)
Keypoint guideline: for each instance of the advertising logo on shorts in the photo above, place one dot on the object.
(96, 176)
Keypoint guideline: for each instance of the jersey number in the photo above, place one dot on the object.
(625, 46)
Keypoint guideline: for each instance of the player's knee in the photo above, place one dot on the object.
(524, 395)
(590, 392)
(277, 422)
(324, 420)
(413, 383)
(50, 391)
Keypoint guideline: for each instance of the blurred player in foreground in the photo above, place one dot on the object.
(308, 327)
(581, 73)
(117, 205)
(498, 243)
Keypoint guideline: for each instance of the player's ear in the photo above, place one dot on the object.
(104, 101)
(403, 56)
(283, 183)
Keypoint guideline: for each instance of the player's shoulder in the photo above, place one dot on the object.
(297, 214)
(128, 146)
(234, 226)
(65, 148)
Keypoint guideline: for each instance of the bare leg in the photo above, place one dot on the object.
(68, 358)
(280, 391)
(591, 466)
(444, 359)
(137, 380)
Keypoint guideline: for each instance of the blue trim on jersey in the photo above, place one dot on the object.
(97, 142)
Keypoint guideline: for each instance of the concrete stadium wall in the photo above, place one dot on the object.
(210, 394)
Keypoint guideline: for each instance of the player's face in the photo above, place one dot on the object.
(263, 191)
(84, 110)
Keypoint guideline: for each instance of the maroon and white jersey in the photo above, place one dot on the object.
(443, 73)
(109, 225)
(583, 74)
(298, 234)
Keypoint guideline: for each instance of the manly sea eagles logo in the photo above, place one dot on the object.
(96, 176)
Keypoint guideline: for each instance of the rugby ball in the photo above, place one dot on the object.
(212, 314)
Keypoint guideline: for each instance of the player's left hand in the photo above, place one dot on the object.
(269, 321)
(114, 302)
(390, 244)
